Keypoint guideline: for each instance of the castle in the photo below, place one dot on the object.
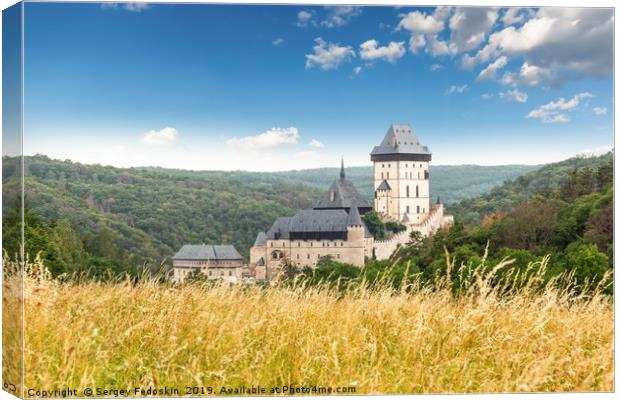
(334, 226)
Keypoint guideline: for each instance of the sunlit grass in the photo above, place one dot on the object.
(123, 335)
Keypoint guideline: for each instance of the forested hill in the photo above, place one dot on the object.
(452, 182)
(542, 181)
(125, 216)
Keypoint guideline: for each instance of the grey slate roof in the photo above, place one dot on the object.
(342, 194)
(405, 218)
(400, 139)
(314, 221)
(207, 252)
(384, 186)
(261, 239)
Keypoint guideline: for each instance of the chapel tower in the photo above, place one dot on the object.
(401, 176)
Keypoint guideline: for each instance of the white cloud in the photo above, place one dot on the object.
(442, 13)
(166, 136)
(486, 96)
(338, 16)
(370, 50)
(600, 110)
(328, 55)
(277, 41)
(515, 95)
(304, 17)
(554, 112)
(417, 22)
(456, 89)
(528, 75)
(416, 42)
(469, 26)
(598, 151)
(315, 143)
(436, 67)
(437, 47)
(133, 7)
(357, 70)
(490, 72)
(560, 42)
(271, 139)
(511, 16)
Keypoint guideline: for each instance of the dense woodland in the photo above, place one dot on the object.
(568, 223)
(110, 220)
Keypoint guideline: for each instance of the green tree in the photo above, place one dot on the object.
(374, 224)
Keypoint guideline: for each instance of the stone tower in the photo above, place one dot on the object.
(401, 177)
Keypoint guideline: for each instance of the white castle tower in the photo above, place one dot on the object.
(401, 176)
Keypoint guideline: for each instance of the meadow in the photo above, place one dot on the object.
(123, 335)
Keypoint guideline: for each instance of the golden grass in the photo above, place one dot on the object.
(118, 335)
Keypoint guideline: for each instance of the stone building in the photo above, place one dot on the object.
(214, 261)
(333, 228)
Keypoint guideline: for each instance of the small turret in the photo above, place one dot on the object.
(354, 218)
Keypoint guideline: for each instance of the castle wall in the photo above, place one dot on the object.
(306, 253)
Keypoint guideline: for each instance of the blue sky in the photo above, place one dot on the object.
(286, 87)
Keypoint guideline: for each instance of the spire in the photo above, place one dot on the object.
(354, 217)
(342, 174)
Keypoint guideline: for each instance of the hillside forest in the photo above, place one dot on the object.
(100, 220)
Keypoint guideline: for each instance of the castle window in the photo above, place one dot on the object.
(408, 190)
(425, 174)
(388, 175)
(418, 209)
(388, 165)
(382, 165)
(298, 256)
(417, 191)
(308, 255)
(382, 175)
(298, 244)
(229, 273)
(338, 256)
(407, 209)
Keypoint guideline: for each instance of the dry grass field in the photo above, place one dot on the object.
(122, 336)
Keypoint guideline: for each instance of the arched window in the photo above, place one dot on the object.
(418, 209)
(407, 209)
(407, 190)
(276, 255)
(382, 175)
(417, 191)
(388, 175)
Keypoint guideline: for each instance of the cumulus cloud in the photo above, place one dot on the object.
(437, 47)
(417, 22)
(469, 26)
(490, 72)
(528, 75)
(456, 89)
(328, 55)
(416, 42)
(304, 17)
(268, 140)
(555, 111)
(357, 70)
(315, 143)
(512, 16)
(556, 44)
(515, 95)
(600, 110)
(166, 136)
(277, 41)
(486, 96)
(370, 50)
(338, 16)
